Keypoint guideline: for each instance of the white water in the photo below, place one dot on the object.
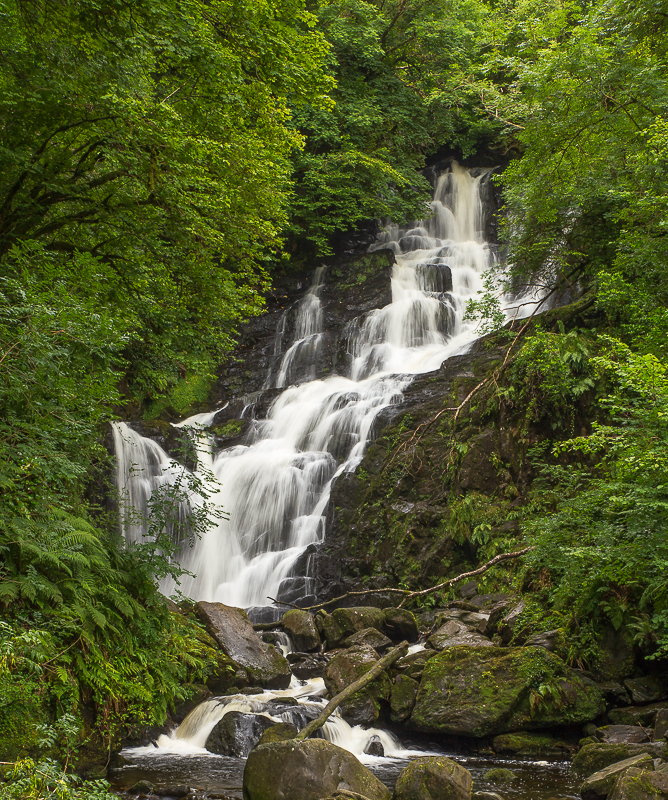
(275, 487)
(190, 737)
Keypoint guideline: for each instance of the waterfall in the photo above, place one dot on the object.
(274, 488)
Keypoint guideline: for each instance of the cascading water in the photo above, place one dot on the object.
(274, 488)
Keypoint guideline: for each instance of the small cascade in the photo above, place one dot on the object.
(190, 738)
(275, 486)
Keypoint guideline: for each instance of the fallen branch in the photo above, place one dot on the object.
(406, 593)
(386, 661)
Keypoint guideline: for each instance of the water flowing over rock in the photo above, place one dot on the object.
(336, 360)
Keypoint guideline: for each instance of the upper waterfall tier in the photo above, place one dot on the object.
(274, 485)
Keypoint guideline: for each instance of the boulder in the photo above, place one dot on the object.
(374, 747)
(524, 743)
(594, 757)
(500, 775)
(636, 715)
(400, 624)
(661, 725)
(234, 634)
(550, 640)
(368, 637)
(642, 786)
(510, 626)
(413, 665)
(402, 697)
(345, 668)
(344, 622)
(497, 612)
(645, 690)
(470, 617)
(282, 732)
(621, 734)
(615, 694)
(308, 770)
(435, 778)
(485, 691)
(600, 784)
(454, 634)
(307, 665)
(236, 734)
(301, 627)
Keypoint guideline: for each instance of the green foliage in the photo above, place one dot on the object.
(604, 547)
(45, 780)
(400, 68)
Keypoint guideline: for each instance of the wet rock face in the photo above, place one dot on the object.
(485, 691)
(595, 757)
(600, 784)
(237, 734)
(308, 770)
(234, 634)
(301, 627)
(436, 778)
(345, 622)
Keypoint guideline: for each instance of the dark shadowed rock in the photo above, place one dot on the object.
(636, 715)
(402, 697)
(550, 640)
(374, 747)
(234, 634)
(524, 743)
(236, 734)
(307, 665)
(400, 625)
(301, 627)
(436, 778)
(308, 770)
(485, 691)
(661, 725)
(345, 668)
(646, 690)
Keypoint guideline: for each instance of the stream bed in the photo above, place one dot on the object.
(221, 776)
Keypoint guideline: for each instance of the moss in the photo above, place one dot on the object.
(402, 697)
(230, 428)
(499, 775)
(180, 399)
(278, 733)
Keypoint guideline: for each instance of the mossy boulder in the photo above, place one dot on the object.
(485, 691)
(363, 708)
(643, 786)
(282, 732)
(302, 629)
(435, 778)
(344, 622)
(400, 624)
(308, 770)
(595, 757)
(500, 775)
(524, 743)
(402, 697)
(234, 635)
(636, 715)
(601, 783)
(236, 734)
(368, 637)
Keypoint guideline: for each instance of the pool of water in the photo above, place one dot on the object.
(173, 775)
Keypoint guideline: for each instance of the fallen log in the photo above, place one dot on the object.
(386, 661)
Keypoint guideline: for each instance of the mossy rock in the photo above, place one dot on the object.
(302, 629)
(363, 708)
(307, 770)
(499, 775)
(344, 622)
(595, 757)
(278, 733)
(487, 691)
(524, 743)
(434, 778)
(402, 697)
